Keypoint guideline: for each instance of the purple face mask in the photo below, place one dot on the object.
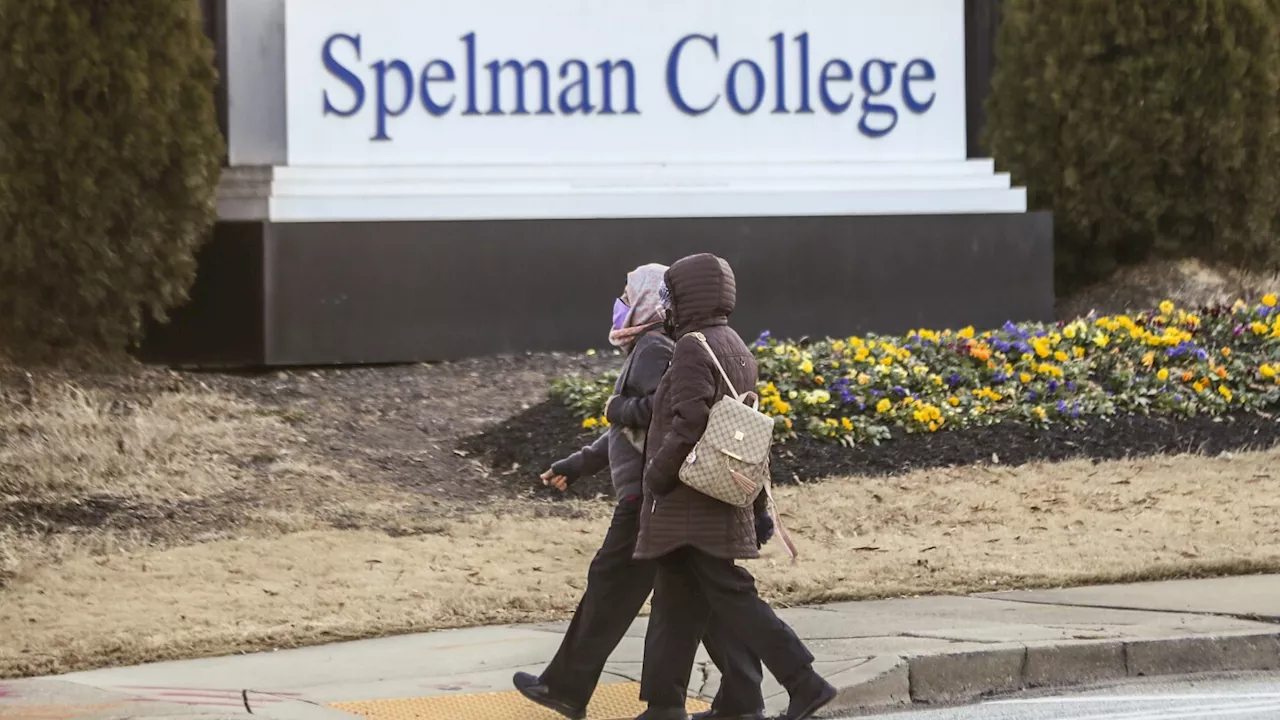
(620, 312)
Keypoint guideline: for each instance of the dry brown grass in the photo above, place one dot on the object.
(1189, 283)
(91, 472)
(107, 458)
(68, 443)
(929, 532)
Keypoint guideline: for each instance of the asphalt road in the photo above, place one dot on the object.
(1242, 697)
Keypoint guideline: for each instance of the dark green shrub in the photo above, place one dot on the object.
(1149, 128)
(109, 163)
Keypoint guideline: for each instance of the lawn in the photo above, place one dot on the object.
(147, 514)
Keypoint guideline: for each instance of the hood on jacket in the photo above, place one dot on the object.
(702, 292)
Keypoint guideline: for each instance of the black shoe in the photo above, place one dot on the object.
(663, 713)
(714, 714)
(810, 696)
(531, 687)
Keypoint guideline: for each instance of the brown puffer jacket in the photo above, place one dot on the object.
(703, 295)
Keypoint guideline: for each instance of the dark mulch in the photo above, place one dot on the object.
(405, 424)
(150, 520)
(548, 431)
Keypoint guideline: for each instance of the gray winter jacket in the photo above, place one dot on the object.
(631, 409)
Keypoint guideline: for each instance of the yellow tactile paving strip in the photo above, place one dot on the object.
(620, 701)
(55, 712)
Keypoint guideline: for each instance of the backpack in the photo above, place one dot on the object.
(731, 461)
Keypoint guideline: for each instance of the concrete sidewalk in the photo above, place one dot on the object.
(880, 654)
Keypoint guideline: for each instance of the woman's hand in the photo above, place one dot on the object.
(764, 528)
(551, 479)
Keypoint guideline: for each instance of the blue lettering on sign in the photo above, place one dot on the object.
(348, 78)
(909, 76)
(824, 89)
(514, 87)
(433, 106)
(869, 108)
(673, 74)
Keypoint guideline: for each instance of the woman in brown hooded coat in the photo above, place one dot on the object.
(694, 538)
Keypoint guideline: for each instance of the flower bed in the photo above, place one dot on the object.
(1168, 361)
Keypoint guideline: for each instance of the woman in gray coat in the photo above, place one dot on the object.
(618, 584)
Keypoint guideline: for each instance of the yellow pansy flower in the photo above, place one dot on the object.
(1163, 374)
(817, 397)
(1166, 307)
(1225, 392)
(1269, 299)
(1267, 371)
(884, 406)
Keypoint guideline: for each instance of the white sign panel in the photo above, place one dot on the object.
(472, 82)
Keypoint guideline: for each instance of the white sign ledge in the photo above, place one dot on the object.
(373, 194)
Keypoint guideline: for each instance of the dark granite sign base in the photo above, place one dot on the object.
(387, 292)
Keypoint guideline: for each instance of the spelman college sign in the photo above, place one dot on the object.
(575, 97)
(403, 83)
(431, 179)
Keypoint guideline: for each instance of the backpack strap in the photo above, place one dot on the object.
(755, 399)
(703, 339)
(777, 521)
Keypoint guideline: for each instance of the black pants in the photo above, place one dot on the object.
(694, 591)
(617, 587)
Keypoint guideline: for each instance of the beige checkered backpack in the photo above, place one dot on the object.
(731, 461)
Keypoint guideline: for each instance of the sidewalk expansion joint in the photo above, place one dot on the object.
(1121, 608)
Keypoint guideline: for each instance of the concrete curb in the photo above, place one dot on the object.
(954, 678)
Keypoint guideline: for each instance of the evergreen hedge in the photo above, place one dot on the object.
(109, 162)
(1149, 128)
